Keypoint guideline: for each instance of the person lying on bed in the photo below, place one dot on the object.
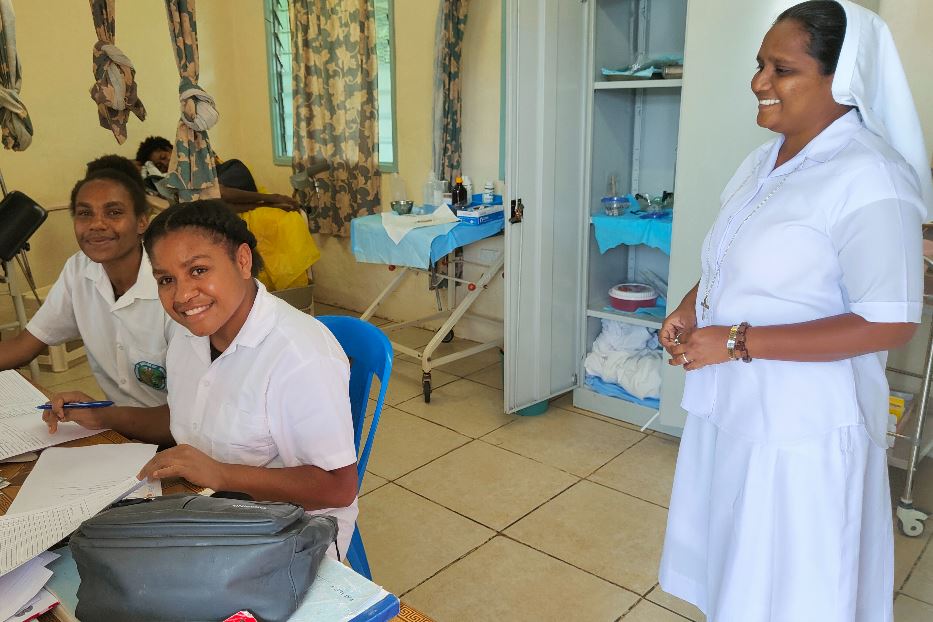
(155, 154)
(258, 391)
(105, 294)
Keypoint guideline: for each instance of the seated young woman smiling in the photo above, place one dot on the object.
(258, 398)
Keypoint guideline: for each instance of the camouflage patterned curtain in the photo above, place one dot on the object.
(334, 74)
(191, 174)
(114, 88)
(451, 26)
(15, 125)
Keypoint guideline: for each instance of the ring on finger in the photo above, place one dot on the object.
(677, 339)
(683, 355)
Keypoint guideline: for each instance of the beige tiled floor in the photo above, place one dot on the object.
(471, 514)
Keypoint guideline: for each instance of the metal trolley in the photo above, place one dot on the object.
(910, 518)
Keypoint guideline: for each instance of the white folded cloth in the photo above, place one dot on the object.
(628, 356)
(397, 227)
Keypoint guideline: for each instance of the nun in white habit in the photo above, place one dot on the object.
(780, 509)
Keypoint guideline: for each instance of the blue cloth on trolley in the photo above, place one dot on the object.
(631, 230)
(420, 247)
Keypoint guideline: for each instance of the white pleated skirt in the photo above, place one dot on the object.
(791, 532)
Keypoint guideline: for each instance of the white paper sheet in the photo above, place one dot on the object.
(64, 474)
(43, 602)
(16, 390)
(21, 425)
(19, 587)
(338, 593)
(26, 535)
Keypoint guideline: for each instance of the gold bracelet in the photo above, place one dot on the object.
(730, 343)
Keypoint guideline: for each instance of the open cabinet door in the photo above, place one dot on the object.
(545, 119)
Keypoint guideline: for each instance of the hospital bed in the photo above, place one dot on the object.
(437, 251)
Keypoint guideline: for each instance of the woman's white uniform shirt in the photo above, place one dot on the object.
(278, 396)
(835, 237)
(125, 339)
(780, 508)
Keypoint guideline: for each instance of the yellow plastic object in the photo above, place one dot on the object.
(899, 403)
(285, 244)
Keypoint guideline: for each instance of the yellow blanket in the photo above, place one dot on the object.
(285, 244)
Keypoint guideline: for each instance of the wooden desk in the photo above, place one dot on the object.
(16, 472)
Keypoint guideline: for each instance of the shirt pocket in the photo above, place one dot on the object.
(239, 436)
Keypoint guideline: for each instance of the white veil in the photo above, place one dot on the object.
(870, 75)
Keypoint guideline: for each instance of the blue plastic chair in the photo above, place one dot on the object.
(370, 354)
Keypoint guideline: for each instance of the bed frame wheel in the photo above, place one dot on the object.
(910, 521)
(426, 386)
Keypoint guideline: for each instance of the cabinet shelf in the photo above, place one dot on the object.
(612, 85)
(616, 408)
(638, 319)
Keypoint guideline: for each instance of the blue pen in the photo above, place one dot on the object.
(100, 404)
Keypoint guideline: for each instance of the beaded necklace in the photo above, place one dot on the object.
(714, 279)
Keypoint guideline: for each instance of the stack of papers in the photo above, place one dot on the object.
(21, 425)
(66, 487)
(22, 591)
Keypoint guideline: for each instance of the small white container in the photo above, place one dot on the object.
(632, 296)
(489, 193)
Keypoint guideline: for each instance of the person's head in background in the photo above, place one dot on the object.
(157, 150)
(110, 213)
(117, 163)
(796, 65)
(204, 261)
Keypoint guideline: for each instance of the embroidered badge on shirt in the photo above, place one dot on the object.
(150, 374)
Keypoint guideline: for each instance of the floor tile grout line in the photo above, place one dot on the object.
(572, 565)
(441, 505)
(914, 565)
(617, 455)
(457, 512)
(511, 420)
(621, 423)
(448, 452)
(440, 570)
(539, 461)
(645, 599)
(521, 455)
(912, 597)
(657, 586)
(628, 494)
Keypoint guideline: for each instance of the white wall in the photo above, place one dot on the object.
(234, 70)
(911, 22)
(55, 39)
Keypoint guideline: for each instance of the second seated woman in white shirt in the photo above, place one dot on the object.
(253, 382)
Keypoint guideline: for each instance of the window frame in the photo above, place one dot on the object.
(392, 166)
(285, 159)
(278, 157)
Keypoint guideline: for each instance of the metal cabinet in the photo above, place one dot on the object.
(567, 130)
